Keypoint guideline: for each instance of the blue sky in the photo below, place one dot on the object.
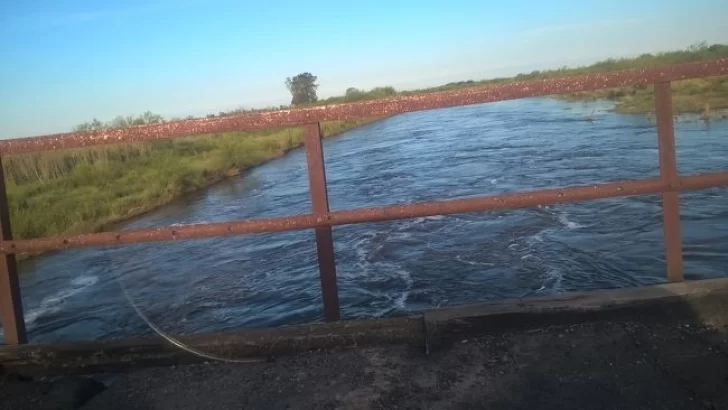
(65, 62)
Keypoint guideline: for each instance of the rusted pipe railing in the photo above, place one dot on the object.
(364, 215)
(668, 173)
(368, 109)
(11, 308)
(669, 184)
(324, 234)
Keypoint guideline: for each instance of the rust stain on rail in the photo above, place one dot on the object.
(670, 183)
(365, 109)
(377, 214)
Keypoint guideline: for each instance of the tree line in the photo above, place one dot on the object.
(307, 97)
(304, 86)
(120, 122)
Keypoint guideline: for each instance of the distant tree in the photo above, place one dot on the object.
(302, 88)
(97, 125)
(381, 92)
(699, 46)
(120, 122)
(84, 126)
(94, 125)
(353, 94)
(136, 121)
(152, 118)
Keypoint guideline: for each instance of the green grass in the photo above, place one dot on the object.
(688, 95)
(83, 190)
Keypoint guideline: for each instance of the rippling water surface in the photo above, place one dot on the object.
(396, 267)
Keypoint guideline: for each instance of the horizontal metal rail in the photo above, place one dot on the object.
(367, 109)
(364, 215)
(669, 184)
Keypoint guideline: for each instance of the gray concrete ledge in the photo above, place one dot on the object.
(701, 302)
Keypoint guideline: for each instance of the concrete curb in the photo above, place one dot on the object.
(702, 302)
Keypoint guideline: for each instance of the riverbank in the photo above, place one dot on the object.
(689, 96)
(85, 190)
(706, 96)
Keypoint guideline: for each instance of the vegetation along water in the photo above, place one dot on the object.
(84, 190)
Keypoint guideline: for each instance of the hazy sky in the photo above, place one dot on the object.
(64, 62)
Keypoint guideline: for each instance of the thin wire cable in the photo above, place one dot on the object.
(175, 342)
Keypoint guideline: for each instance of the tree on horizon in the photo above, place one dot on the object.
(302, 88)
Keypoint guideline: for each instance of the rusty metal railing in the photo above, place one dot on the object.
(322, 219)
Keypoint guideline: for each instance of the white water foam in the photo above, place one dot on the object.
(552, 281)
(54, 302)
(517, 247)
(473, 263)
(362, 254)
(421, 220)
(401, 301)
(364, 262)
(567, 223)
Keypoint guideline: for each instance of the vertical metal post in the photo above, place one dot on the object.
(320, 204)
(668, 172)
(11, 307)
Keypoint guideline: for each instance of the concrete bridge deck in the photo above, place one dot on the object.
(627, 359)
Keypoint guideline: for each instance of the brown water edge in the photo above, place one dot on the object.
(112, 223)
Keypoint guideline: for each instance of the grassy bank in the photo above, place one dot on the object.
(82, 190)
(688, 95)
(704, 95)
